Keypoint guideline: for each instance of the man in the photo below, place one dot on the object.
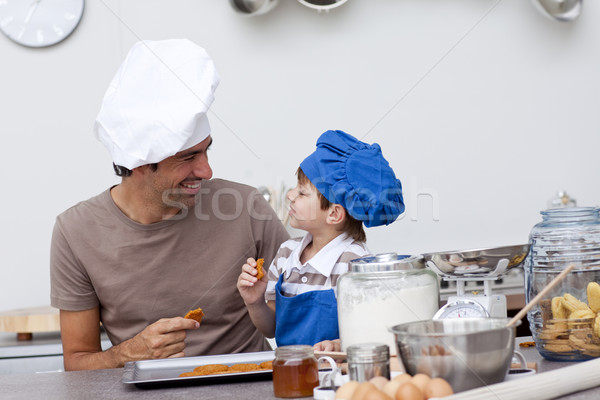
(167, 239)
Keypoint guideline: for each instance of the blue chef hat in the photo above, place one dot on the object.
(355, 175)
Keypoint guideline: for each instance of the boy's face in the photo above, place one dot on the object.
(305, 208)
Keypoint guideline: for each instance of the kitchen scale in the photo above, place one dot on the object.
(485, 265)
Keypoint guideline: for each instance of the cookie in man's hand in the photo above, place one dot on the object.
(196, 314)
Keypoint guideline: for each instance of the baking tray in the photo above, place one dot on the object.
(165, 372)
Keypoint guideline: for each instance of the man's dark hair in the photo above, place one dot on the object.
(123, 172)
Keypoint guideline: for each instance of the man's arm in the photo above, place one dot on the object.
(80, 332)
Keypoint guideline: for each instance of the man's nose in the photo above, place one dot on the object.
(202, 168)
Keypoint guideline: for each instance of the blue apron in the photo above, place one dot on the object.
(307, 318)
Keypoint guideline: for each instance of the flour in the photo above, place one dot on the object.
(366, 315)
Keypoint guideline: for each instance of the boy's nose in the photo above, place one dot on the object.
(291, 194)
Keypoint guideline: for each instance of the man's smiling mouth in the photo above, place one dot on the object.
(191, 185)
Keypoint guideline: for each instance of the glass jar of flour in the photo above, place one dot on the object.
(382, 291)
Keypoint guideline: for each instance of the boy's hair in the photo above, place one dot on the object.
(351, 225)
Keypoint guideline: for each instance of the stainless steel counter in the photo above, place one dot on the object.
(108, 384)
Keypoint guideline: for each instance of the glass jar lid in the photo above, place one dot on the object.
(290, 352)
(368, 353)
(387, 262)
(571, 214)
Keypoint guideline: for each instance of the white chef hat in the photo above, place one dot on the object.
(157, 102)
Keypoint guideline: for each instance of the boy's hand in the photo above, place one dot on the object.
(328, 345)
(251, 289)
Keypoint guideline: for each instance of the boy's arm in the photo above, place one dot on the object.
(252, 291)
(263, 317)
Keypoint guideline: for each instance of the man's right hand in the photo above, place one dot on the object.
(80, 332)
(163, 339)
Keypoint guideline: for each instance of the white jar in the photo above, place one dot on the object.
(382, 291)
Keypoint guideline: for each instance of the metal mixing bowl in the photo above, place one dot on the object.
(466, 352)
(253, 7)
(492, 261)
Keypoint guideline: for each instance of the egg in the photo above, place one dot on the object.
(361, 390)
(376, 394)
(408, 391)
(391, 387)
(438, 387)
(420, 381)
(346, 391)
(379, 381)
(403, 378)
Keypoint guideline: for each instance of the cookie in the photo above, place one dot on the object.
(558, 311)
(596, 326)
(196, 314)
(553, 333)
(244, 367)
(584, 344)
(582, 314)
(593, 296)
(259, 268)
(210, 369)
(558, 348)
(571, 303)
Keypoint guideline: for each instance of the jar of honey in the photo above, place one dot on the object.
(295, 371)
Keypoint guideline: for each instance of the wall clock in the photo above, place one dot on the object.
(39, 23)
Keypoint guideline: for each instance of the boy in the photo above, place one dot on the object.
(342, 185)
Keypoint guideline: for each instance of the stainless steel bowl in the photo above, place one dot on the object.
(253, 7)
(466, 352)
(493, 261)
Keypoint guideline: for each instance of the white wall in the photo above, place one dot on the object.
(486, 105)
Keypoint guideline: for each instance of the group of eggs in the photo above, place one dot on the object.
(402, 387)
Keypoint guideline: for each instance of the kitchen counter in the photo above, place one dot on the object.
(43, 353)
(108, 384)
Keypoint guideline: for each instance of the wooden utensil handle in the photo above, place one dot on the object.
(540, 295)
(336, 355)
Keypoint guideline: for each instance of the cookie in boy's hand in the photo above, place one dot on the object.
(196, 314)
(259, 268)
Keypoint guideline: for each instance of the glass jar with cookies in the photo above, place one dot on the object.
(566, 324)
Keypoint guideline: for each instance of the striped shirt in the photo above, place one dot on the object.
(321, 272)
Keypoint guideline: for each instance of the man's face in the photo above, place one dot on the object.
(176, 182)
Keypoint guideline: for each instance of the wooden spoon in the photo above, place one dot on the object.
(540, 295)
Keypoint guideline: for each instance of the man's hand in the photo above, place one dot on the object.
(163, 339)
(80, 332)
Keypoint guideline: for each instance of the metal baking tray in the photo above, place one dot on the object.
(165, 372)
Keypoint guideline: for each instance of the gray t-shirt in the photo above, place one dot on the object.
(140, 273)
